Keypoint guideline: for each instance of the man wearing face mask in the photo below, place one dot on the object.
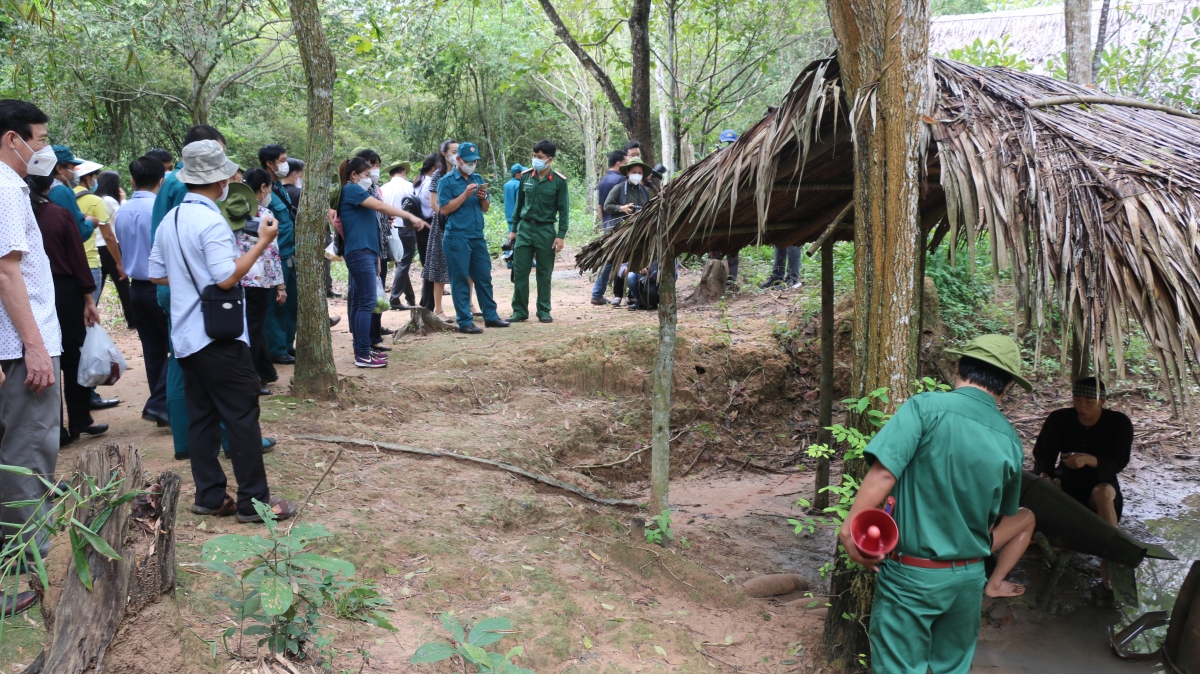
(280, 328)
(63, 191)
(543, 194)
(194, 248)
(30, 335)
(463, 199)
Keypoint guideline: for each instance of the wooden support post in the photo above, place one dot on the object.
(825, 412)
(664, 375)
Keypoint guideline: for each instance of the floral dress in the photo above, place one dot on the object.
(434, 264)
(267, 271)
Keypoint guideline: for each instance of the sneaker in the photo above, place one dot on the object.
(616, 301)
(795, 284)
(599, 301)
(769, 283)
(370, 361)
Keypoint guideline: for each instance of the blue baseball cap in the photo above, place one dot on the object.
(728, 136)
(515, 169)
(64, 155)
(468, 152)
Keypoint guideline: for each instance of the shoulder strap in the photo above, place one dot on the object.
(179, 240)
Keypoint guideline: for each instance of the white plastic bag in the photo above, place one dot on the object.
(331, 252)
(100, 361)
(381, 297)
(395, 245)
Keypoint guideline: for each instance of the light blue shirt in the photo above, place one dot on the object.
(467, 221)
(204, 243)
(132, 227)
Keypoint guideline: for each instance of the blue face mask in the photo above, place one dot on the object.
(539, 164)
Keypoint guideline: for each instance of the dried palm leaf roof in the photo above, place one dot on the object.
(1095, 208)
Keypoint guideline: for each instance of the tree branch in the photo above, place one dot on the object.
(610, 91)
(220, 87)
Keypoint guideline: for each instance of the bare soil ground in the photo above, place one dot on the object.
(440, 535)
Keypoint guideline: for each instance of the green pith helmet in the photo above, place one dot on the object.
(996, 350)
(240, 205)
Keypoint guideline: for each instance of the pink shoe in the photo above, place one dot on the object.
(372, 361)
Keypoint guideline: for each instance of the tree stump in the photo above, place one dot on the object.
(712, 282)
(423, 322)
(120, 625)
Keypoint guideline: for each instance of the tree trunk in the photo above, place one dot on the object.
(664, 377)
(1078, 20)
(825, 411)
(315, 375)
(1101, 39)
(712, 282)
(883, 51)
(89, 630)
(666, 132)
(423, 322)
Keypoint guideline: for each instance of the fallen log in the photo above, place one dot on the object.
(389, 447)
(119, 625)
(423, 322)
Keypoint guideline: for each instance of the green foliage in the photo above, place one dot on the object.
(929, 385)
(965, 291)
(282, 588)
(468, 645)
(658, 529)
(55, 514)
(991, 53)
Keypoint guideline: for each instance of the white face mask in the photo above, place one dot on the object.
(265, 202)
(452, 159)
(375, 175)
(40, 163)
(224, 191)
(365, 182)
(467, 167)
(635, 178)
(281, 170)
(300, 184)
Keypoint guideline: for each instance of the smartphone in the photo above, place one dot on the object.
(483, 187)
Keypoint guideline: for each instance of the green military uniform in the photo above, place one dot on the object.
(538, 200)
(957, 463)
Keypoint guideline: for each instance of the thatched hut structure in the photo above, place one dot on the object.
(1095, 208)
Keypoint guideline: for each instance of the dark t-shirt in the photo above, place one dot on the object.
(1109, 440)
(358, 223)
(293, 193)
(609, 181)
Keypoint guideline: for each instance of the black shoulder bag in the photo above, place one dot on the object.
(223, 310)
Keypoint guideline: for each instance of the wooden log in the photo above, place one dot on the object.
(82, 624)
(423, 322)
(775, 584)
(712, 282)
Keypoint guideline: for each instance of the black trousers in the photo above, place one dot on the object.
(401, 283)
(108, 269)
(222, 387)
(258, 302)
(151, 324)
(68, 301)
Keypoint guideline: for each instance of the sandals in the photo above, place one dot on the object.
(18, 603)
(227, 508)
(283, 510)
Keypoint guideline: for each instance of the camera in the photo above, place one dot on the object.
(251, 226)
(636, 208)
(507, 245)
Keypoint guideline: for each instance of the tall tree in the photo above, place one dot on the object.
(883, 51)
(635, 117)
(315, 373)
(1078, 20)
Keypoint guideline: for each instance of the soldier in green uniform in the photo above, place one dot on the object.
(543, 194)
(953, 462)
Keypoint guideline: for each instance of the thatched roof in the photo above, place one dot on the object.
(1095, 208)
(1037, 33)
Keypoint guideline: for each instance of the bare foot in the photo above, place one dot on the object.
(1003, 589)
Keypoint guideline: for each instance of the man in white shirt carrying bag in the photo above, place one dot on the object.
(195, 253)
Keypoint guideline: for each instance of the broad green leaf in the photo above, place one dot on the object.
(233, 548)
(221, 568)
(80, 556)
(256, 630)
(475, 654)
(453, 627)
(379, 619)
(431, 652)
(314, 561)
(276, 595)
(307, 532)
(484, 632)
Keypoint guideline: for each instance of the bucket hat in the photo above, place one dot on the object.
(396, 166)
(239, 206)
(204, 163)
(85, 167)
(996, 350)
(635, 161)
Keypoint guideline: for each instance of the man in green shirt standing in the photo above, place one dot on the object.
(543, 194)
(953, 462)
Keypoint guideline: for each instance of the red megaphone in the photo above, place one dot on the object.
(874, 531)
